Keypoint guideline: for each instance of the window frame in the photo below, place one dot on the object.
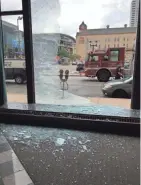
(26, 12)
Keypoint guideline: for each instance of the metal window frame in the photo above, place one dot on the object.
(26, 12)
(27, 24)
(14, 12)
(135, 100)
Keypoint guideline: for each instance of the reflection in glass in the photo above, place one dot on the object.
(14, 58)
(49, 18)
(46, 41)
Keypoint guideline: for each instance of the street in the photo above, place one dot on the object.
(81, 90)
(81, 86)
(85, 87)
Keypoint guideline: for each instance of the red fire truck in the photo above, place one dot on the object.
(102, 64)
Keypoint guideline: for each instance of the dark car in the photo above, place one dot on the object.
(80, 67)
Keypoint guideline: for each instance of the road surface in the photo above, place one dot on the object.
(80, 86)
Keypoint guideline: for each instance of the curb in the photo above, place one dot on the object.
(74, 75)
(11, 169)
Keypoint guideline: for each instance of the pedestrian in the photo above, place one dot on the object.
(118, 73)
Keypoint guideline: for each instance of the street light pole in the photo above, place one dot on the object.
(19, 18)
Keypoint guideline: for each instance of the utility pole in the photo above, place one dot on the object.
(93, 45)
(18, 19)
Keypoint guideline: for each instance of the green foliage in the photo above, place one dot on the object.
(74, 57)
(63, 53)
(6, 48)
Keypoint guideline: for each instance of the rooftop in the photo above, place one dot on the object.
(62, 35)
(10, 25)
(103, 31)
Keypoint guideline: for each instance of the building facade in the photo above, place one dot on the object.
(9, 33)
(105, 38)
(134, 13)
(12, 39)
(67, 42)
(52, 42)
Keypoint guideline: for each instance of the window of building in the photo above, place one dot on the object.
(124, 39)
(118, 39)
(108, 39)
(126, 45)
(115, 39)
(81, 40)
(61, 42)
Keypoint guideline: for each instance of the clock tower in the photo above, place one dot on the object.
(82, 27)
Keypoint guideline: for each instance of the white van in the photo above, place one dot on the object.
(15, 69)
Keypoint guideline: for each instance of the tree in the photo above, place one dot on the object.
(63, 53)
(6, 48)
(74, 57)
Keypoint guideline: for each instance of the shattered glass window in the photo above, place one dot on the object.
(62, 38)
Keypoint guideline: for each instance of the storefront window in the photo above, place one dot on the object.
(52, 40)
(14, 58)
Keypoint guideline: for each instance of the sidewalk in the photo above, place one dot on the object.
(124, 103)
(12, 171)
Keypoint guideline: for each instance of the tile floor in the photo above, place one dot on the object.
(11, 170)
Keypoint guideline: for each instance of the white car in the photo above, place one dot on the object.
(74, 63)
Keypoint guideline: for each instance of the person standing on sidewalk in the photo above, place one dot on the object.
(118, 73)
(81, 67)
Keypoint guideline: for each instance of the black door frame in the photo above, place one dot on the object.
(27, 24)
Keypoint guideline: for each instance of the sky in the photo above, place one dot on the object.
(65, 16)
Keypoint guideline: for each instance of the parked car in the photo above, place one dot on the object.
(65, 61)
(118, 88)
(15, 69)
(80, 67)
(74, 63)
